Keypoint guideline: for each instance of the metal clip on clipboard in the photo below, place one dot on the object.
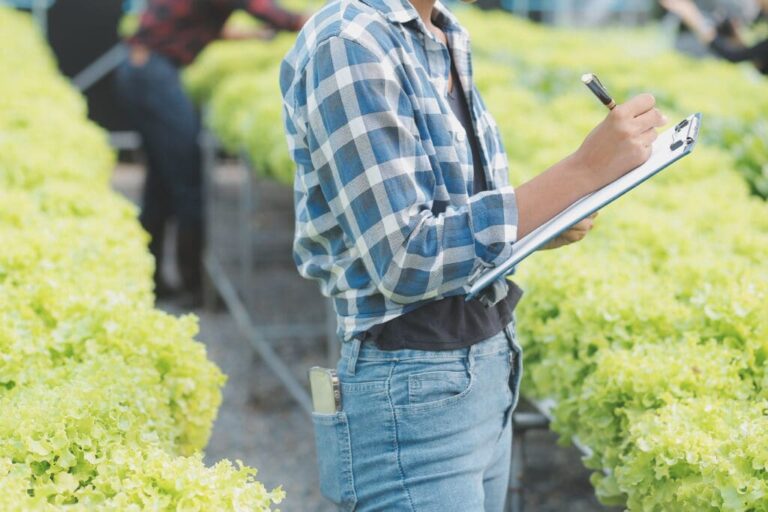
(677, 139)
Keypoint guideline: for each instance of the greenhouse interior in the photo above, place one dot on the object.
(237, 273)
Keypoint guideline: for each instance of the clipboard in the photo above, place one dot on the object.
(669, 147)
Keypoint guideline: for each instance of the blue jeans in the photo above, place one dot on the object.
(421, 430)
(169, 124)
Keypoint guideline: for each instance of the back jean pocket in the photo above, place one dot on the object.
(334, 459)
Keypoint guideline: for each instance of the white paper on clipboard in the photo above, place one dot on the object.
(669, 147)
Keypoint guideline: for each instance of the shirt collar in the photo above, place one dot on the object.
(458, 37)
(403, 11)
(446, 20)
(397, 11)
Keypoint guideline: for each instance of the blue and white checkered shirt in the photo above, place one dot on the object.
(386, 218)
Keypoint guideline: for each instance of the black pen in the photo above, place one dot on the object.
(594, 84)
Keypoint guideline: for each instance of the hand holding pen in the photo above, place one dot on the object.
(623, 140)
(617, 145)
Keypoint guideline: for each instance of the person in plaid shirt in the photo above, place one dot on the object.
(171, 34)
(402, 198)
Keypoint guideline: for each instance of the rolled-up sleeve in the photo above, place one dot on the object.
(379, 182)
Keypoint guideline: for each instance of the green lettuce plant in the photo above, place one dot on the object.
(106, 403)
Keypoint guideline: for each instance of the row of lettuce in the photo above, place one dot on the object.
(106, 402)
(651, 336)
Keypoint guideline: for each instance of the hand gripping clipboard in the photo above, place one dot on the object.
(669, 147)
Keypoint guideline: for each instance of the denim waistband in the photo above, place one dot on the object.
(368, 351)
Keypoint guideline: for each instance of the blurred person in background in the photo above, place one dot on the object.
(721, 38)
(170, 35)
(726, 15)
(402, 196)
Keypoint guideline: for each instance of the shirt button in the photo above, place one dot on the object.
(461, 136)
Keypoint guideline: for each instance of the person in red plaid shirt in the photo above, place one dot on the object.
(171, 34)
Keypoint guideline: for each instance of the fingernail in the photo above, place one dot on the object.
(664, 119)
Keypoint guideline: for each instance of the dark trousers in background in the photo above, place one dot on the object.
(169, 124)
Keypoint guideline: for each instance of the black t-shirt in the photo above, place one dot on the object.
(452, 322)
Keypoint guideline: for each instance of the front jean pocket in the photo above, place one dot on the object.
(334, 458)
(421, 387)
(436, 386)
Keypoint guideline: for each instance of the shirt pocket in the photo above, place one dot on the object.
(334, 459)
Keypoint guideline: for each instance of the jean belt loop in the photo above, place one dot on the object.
(354, 352)
(510, 334)
(471, 357)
